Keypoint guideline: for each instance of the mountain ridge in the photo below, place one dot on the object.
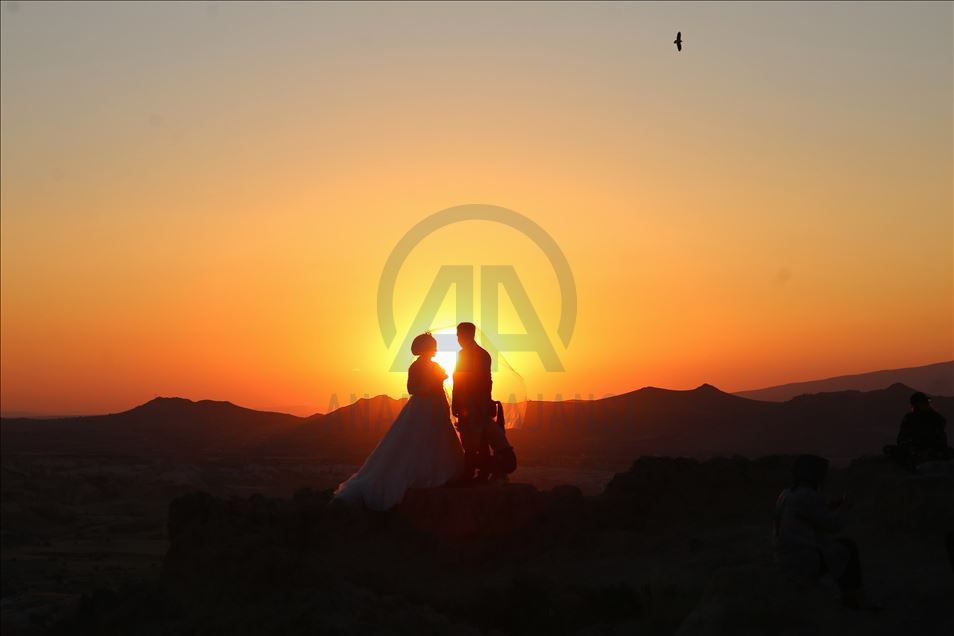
(883, 378)
(602, 434)
(934, 379)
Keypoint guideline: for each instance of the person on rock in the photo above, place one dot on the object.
(806, 527)
(922, 437)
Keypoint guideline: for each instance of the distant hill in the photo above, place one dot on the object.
(605, 434)
(933, 379)
(176, 427)
(706, 422)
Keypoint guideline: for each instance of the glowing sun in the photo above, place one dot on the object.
(447, 349)
(447, 360)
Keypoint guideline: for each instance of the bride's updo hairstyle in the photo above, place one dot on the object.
(424, 343)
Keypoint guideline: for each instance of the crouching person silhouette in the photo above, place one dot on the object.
(479, 419)
(806, 526)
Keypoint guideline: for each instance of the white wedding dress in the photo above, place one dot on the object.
(420, 450)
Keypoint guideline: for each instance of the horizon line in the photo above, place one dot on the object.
(16, 414)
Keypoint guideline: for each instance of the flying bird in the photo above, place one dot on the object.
(678, 40)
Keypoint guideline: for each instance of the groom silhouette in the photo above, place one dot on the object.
(472, 405)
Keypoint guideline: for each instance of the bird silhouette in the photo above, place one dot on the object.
(678, 40)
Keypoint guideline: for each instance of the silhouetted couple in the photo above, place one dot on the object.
(421, 449)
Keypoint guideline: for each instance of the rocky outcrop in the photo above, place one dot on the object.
(900, 521)
(672, 545)
(667, 491)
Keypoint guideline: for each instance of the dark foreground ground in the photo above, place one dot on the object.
(77, 523)
(671, 546)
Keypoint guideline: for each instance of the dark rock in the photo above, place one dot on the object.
(672, 543)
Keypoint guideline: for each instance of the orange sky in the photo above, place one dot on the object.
(199, 200)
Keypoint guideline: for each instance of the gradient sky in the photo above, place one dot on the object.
(198, 199)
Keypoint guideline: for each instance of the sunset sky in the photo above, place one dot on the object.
(198, 199)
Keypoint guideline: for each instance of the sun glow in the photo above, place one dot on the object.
(447, 348)
(447, 360)
(672, 174)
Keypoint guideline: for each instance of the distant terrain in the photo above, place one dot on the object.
(933, 379)
(600, 434)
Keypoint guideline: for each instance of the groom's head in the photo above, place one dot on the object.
(466, 332)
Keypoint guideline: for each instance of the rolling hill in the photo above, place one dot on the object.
(606, 433)
(933, 379)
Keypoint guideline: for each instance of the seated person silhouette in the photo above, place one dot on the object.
(806, 545)
(922, 437)
(476, 411)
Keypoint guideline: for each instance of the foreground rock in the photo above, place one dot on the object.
(671, 546)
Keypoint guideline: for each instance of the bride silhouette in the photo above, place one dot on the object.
(420, 450)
